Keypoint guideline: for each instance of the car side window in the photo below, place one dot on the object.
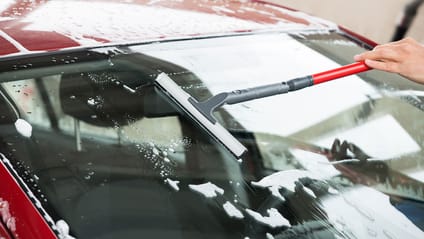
(72, 105)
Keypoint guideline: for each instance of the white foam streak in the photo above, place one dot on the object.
(274, 218)
(208, 189)
(173, 184)
(232, 211)
(24, 128)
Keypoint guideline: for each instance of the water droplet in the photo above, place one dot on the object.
(91, 101)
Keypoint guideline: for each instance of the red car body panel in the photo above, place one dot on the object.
(17, 211)
(359, 37)
(4, 233)
(7, 47)
(28, 26)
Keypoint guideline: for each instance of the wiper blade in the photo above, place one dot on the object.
(180, 97)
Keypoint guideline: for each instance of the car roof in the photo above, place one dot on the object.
(38, 26)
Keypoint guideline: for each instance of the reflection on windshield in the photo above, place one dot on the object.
(384, 130)
(249, 63)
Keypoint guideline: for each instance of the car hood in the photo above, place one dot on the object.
(34, 26)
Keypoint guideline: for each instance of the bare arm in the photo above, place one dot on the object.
(405, 57)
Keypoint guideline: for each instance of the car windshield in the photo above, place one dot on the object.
(102, 148)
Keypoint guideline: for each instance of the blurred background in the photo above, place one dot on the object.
(375, 19)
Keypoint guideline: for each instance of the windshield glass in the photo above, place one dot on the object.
(102, 148)
(358, 108)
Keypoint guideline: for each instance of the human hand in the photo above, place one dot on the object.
(405, 57)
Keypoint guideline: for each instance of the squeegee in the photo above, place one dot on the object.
(203, 111)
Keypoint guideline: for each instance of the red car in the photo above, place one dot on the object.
(94, 145)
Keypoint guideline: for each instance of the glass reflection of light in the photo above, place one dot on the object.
(382, 138)
(241, 62)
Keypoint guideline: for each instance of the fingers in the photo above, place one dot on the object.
(385, 57)
(382, 65)
(405, 57)
(394, 51)
(380, 53)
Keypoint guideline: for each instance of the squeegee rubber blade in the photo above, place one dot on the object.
(180, 97)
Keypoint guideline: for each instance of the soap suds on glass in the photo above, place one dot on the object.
(232, 211)
(24, 128)
(274, 218)
(208, 189)
(173, 184)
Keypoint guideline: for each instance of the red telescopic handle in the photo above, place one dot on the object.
(346, 70)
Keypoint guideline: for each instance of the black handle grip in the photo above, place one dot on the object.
(238, 96)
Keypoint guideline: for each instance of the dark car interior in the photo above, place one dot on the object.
(114, 187)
